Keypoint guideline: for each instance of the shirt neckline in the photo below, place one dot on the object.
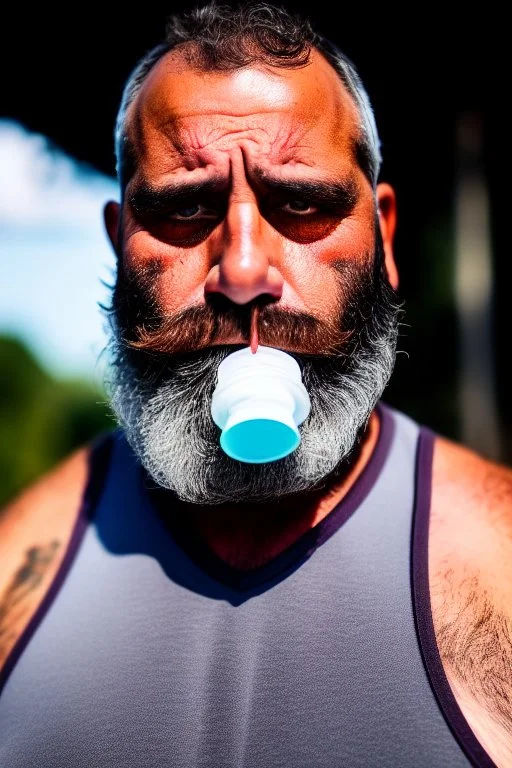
(304, 547)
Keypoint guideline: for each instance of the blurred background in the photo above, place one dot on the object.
(438, 89)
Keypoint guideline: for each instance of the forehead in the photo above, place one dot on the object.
(185, 119)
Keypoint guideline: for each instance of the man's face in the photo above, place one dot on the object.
(247, 190)
(242, 150)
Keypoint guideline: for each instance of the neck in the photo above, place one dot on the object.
(248, 535)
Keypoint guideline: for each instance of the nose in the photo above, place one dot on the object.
(243, 271)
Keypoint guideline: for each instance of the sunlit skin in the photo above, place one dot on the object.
(271, 197)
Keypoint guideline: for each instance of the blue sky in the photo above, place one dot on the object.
(54, 252)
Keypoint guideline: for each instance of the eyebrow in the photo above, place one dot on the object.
(149, 199)
(328, 192)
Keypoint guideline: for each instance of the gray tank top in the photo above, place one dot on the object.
(150, 652)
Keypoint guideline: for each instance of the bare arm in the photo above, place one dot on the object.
(34, 532)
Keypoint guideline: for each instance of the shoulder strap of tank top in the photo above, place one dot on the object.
(423, 611)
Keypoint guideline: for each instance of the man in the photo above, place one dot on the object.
(348, 604)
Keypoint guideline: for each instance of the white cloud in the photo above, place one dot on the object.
(54, 251)
(41, 186)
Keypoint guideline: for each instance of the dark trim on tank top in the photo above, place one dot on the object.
(291, 558)
(450, 709)
(99, 461)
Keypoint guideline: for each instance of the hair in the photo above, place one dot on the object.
(218, 37)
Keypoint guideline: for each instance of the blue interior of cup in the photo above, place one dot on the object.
(258, 441)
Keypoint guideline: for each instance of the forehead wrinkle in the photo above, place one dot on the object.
(179, 135)
(282, 142)
(198, 144)
(200, 137)
(291, 145)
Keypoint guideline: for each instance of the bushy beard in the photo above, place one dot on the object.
(163, 400)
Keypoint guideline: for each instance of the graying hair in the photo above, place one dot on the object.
(222, 37)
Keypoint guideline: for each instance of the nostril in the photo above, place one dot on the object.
(222, 304)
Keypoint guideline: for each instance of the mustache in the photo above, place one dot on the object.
(202, 326)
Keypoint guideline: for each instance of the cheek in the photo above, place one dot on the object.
(312, 275)
(174, 277)
(352, 241)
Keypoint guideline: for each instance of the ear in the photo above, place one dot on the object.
(111, 217)
(386, 202)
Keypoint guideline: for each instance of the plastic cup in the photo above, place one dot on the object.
(258, 403)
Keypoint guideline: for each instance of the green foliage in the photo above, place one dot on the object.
(42, 419)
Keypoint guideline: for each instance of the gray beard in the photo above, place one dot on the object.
(167, 420)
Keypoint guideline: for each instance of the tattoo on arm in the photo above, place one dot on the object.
(14, 605)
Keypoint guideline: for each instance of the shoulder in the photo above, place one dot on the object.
(44, 507)
(471, 492)
(35, 529)
(471, 520)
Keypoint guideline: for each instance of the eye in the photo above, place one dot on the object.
(192, 212)
(299, 206)
(188, 212)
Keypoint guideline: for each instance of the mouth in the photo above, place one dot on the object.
(301, 356)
